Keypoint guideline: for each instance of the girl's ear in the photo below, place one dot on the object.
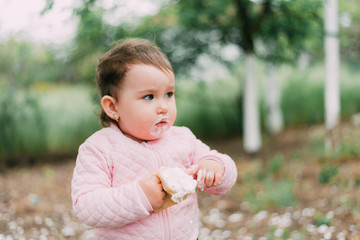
(108, 103)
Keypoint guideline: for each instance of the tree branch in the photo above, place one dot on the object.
(246, 41)
(265, 13)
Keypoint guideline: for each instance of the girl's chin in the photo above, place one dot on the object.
(144, 138)
(158, 130)
(154, 133)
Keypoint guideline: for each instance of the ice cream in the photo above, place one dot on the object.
(177, 184)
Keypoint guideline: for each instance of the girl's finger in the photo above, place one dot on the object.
(209, 179)
(218, 178)
(157, 179)
(201, 178)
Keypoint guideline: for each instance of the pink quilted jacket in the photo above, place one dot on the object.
(106, 193)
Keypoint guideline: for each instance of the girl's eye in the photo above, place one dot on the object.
(169, 94)
(149, 97)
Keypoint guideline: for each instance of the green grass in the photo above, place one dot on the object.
(209, 109)
(21, 124)
(327, 173)
(46, 119)
(303, 94)
(70, 117)
(348, 147)
(269, 187)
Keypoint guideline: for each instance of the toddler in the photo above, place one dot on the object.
(114, 188)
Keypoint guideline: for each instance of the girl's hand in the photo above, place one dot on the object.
(207, 172)
(153, 190)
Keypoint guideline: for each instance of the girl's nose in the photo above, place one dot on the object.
(162, 108)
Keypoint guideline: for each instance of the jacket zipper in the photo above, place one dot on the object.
(158, 155)
(167, 230)
(164, 213)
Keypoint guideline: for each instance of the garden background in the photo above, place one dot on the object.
(292, 187)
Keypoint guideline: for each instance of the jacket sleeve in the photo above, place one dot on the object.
(95, 201)
(202, 151)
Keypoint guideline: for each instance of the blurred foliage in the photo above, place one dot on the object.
(270, 194)
(209, 109)
(44, 120)
(273, 29)
(21, 123)
(275, 165)
(323, 220)
(36, 102)
(48, 6)
(90, 41)
(70, 116)
(273, 235)
(303, 94)
(30, 76)
(348, 148)
(327, 173)
(24, 63)
(39, 117)
(349, 30)
(296, 92)
(269, 187)
(273, 24)
(357, 182)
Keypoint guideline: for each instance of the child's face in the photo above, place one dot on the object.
(146, 102)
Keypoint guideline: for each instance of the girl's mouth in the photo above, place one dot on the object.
(160, 126)
(162, 122)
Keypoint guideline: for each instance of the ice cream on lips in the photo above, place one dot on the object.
(160, 126)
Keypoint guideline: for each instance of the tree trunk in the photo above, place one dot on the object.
(332, 92)
(272, 92)
(252, 135)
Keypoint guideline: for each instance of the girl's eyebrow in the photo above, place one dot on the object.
(172, 86)
(153, 89)
(144, 90)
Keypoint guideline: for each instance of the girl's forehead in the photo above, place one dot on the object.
(148, 72)
(144, 66)
(147, 75)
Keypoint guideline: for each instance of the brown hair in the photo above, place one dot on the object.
(115, 63)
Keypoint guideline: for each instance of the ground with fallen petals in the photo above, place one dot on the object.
(287, 203)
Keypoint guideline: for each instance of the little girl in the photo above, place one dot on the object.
(114, 188)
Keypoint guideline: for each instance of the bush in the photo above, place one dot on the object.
(327, 173)
(40, 122)
(303, 99)
(209, 109)
(64, 114)
(303, 94)
(269, 188)
(21, 124)
(70, 117)
(271, 194)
